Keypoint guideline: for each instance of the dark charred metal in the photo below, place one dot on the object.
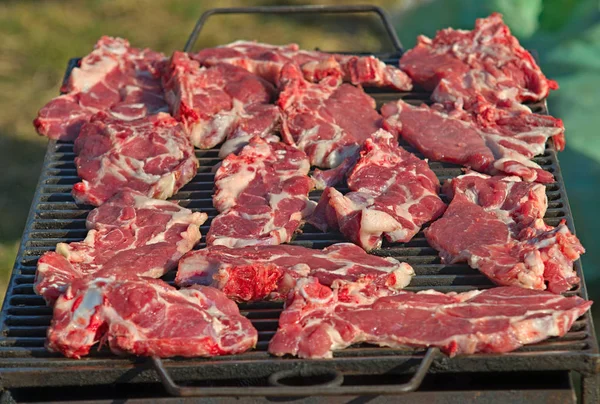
(333, 385)
(26, 366)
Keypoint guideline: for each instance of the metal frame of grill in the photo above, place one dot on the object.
(54, 217)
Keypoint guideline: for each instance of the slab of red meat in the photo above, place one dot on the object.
(393, 193)
(220, 102)
(328, 120)
(494, 142)
(318, 320)
(267, 61)
(488, 61)
(269, 272)
(129, 234)
(114, 78)
(495, 224)
(147, 317)
(262, 194)
(151, 155)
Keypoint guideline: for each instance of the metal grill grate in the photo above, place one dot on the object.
(55, 217)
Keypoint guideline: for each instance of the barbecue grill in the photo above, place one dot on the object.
(535, 373)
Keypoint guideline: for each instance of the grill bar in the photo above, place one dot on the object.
(286, 10)
(332, 387)
(55, 217)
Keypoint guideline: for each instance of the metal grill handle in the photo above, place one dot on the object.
(313, 9)
(329, 388)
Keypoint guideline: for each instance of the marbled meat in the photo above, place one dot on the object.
(495, 141)
(267, 61)
(262, 194)
(393, 193)
(114, 78)
(318, 320)
(222, 102)
(151, 155)
(269, 272)
(147, 317)
(129, 234)
(495, 224)
(487, 62)
(328, 120)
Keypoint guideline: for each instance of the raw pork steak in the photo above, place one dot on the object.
(393, 194)
(487, 62)
(262, 194)
(328, 120)
(494, 142)
(269, 272)
(129, 234)
(220, 102)
(267, 61)
(114, 78)
(495, 224)
(147, 317)
(151, 155)
(318, 320)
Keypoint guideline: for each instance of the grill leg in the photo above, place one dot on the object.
(590, 388)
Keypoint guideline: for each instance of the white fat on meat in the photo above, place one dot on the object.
(213, 103)
(121, 234)
(262, 194)
(132, 158)
(387, 184)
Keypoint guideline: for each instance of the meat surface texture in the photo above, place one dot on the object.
(147, 317)
(151, 155)
(494, 141)
(393, 193)
(262, 194)
(114, 78)
(318, 320)
(130, 234)
(269, 272)
(495, 224)
(328, 120)
(220, 102)
(267, 61)
(488, 62)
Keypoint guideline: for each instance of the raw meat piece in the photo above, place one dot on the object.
(329, 120)
(489, 62)
(333, 176)
(495, 224)
(393, 194)
(262, 194)
(220, 102)
(147, 317)
(494, 142)
(267, 61)
(129, 234)
(114, 78)
(318, 320)
(269, 272)
(151, 155)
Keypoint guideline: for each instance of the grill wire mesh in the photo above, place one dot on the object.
(55, 217)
